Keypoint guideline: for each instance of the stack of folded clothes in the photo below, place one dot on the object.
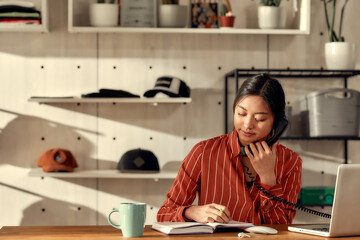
(19, 12)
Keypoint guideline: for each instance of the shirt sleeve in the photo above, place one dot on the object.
(184, 189)
(288, 188)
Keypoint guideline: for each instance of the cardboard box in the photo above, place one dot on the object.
(138, 13)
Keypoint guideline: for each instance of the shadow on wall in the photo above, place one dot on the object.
(21, 145)
(192, 120)
(25, 138)
(22, 141)
(49, 211)
(153, 192)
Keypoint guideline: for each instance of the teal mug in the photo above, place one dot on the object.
(132, 219)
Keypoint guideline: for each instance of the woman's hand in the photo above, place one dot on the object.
(208, 213)
(263, 161)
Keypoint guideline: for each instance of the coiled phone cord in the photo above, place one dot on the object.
(277, 199)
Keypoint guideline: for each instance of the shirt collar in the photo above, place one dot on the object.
(234, 143)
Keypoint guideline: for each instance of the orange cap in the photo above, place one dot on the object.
(57, 160)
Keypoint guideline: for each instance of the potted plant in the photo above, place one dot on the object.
(171, 14)
(271, 15)
(104, 13)
(338, 53)
(226, 17)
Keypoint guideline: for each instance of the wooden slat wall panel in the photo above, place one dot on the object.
(46, 65)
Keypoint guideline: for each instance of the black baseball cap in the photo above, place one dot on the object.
(171, 86)
(138, 160)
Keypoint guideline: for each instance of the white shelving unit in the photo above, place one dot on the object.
(185, 30)
(109, 100)
(42, 6)
(83, 26)
(109, 173)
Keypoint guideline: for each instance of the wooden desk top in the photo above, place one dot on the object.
(108, 232)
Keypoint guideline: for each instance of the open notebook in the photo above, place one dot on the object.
(195, 227)
(346, 206)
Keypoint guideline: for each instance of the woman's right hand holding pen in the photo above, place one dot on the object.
(208, 213)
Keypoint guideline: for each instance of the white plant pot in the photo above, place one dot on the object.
(172, 16)
(340, 55)
(104, 14)
(271, 17)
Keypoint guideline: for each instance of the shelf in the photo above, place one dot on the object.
(88, 29)
(111, 173)
(294, 73)
(108, 100)
(335, 138)
(24, 28)
(42, 6)
(78, 22)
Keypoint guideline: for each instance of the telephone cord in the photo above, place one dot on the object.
(278, 199)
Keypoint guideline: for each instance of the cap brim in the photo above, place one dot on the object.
(153, 92)
(57, 168)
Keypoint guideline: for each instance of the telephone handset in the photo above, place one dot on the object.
(278, 129)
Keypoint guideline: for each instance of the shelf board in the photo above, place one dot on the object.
(24, 28)
(320, 138)
(108, 100)
(109, 173)
(295, 73)
(90, 29)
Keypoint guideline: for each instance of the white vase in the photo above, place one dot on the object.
(340, 55)
(172, 15)
(104, 14)
(270, 17)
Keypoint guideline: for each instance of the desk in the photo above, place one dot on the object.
(108, 232)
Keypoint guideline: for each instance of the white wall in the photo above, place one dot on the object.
(60, 63)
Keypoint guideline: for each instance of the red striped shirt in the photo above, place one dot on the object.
(213, 170)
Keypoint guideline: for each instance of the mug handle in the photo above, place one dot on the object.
(109, 220)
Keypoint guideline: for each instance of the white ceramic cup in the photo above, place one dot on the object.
(271, 17)
(104, 14)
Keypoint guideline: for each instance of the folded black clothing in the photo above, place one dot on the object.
(19, 18)
(117, 93)
(110, 93)
(13, 8)
(91, 95)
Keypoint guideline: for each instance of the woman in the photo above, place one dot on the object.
(223, 178)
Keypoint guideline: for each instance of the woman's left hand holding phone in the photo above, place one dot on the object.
(263, 159)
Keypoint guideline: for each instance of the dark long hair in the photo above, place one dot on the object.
(266, 87)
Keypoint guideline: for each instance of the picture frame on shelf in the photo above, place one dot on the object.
(204, 15)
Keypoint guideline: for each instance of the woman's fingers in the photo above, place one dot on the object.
(265, 146)
(219, 213)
